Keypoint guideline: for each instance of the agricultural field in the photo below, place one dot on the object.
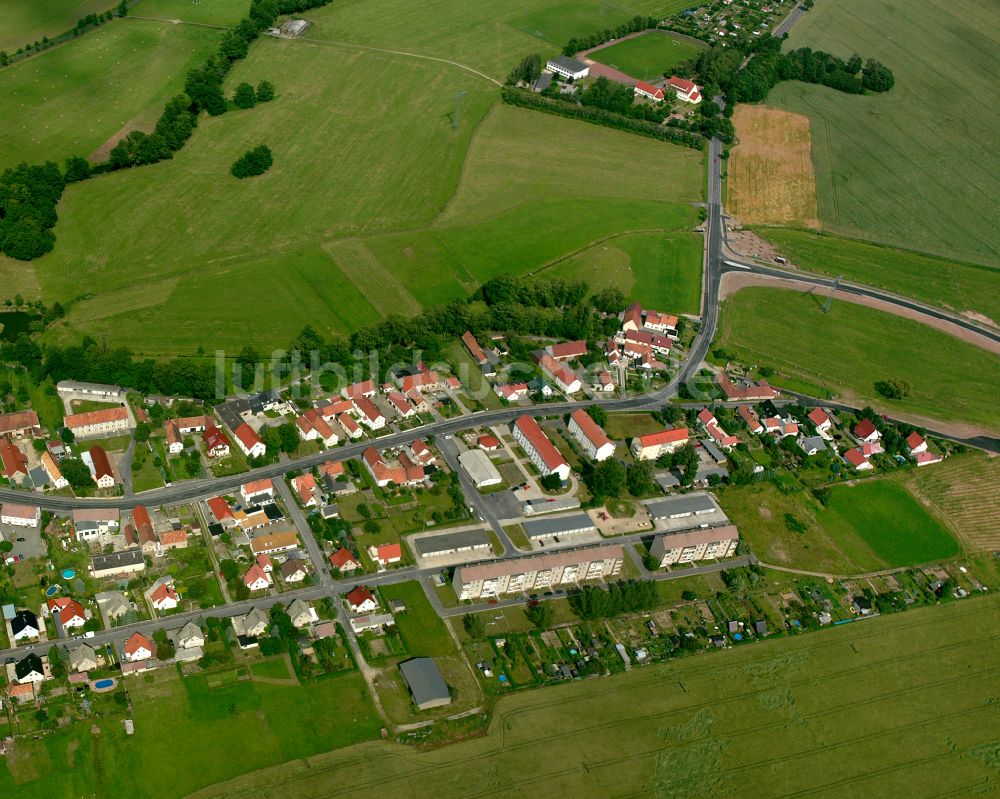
(964, 489)
(745, 720)
(964, 288)
(649, 56)
(851, 347)
(914, 167)
(212, 12)
(255, 719)
(771, 179)
(74, 98)
(27, 22)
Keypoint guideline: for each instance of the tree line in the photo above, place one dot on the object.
(634, 25)
(29, 194)
(618, 599)
(525, 98)
(84, 24)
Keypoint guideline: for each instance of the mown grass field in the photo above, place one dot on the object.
(915, 167)
(27, 21)
(889, 520)
(72, 99)
(851, 347)
(962, 287)
(966, 491)
(649, 56)
(771, 179)
(260, 723)
(206, 12)
(902, 703)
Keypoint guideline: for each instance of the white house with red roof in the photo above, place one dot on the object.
(714, 429)
(540, 449)
(69, 612)
(400, 404)
(512, 392)
(314, 427)
(632, 317)
(386, 554)
(164, 595)
(257, 490)
(307, 489)
(216, 443)
(361, 600)
(567, 350)
(249, 442)
(365, 388)
(561, 374)
(369, 414)
(488, 443)
(652, 445)
(350, 426)
(590, 435)
(927, 457)
(649, 91)
(421, 453)
(343, 560)
(751, 418)
(20, 515)
(685, 90)
(855, 459)
(138, 647)
(384, 474)
(915, 443)
(866, 432)
(820, 420)
(665, 324)
(256, 578)
(221, 511)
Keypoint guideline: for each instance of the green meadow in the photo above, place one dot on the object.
(916, 167)
(850, 348)
(649, 56)
(27, 21)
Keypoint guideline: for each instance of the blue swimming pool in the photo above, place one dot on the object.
(52, 590)
(105, 683)
(68, 574)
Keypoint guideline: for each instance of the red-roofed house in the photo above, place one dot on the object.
(343, 560)
(20, 515)
(474, 349)
(142, 527)
(602, 382)
(220, 510)
(173, 539)
(857, 460)
(536, 444)
(249, 441)
(651, 446)
(350, 426)
(264, 561)
(173, 436)
(361, 600)
(313, 426)
(256, 578)
(591, 437)
(752, 419)
(385, 554)
(331, 469)
(103, 474)
(69, 612)
(365, 388)
(305, 486)
(384, 474)
(649, 91)
(820, 419)
(335, 407)
(684, 89)
(216, 442)
(512, 392)
(915, 443)
(400, 404)
(139, 647)
(632, 319)
(567, 350)
(755, 392)
(870, 448)
(661, 323)
(563, 376)
(20, 424)
(865, 431)
(927, 458)
(421, 381)
(488, 443)
(659, 344)
(256, 490)
(370, 415)
(102, 422)
(164, 597)
(15, 464)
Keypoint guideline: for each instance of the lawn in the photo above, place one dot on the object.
(650, 56)
(272, 669)
(70, 100)
(726, 723)
(255, 719)
(212, 12)
(889, 520)
(629, 425)
(145, 475)
(950, 379)
(559, 21)
(910, 167)
(475, 383)
(958, 286)
(421, 629)
(27, 22)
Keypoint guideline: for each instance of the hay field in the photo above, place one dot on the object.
(771, 178)
(27, 21)
(851, 347)
(966, 491)
(850, 711)
(71, 99)
(917, 167)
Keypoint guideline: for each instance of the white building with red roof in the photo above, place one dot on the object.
(138, 647)
(314, 427)
(249, 442)
(512, 392)
(347, 422)
(649, 91)
(751, 419)
(591, 437)
(255, 578)
(69, 612)
(567, 350)
(561, 374)
(307, 489)
(652, 445)
(20, 515)
(257, 490)
(856, 459)
(217, 444)
(361, 600)
(665, 324)
(221, 511)
(866, 432)
(632, 318)
(384, 474)
(365, 388)
(343, 560)
(386, 554)
(164, 596)
(915, 443)
(540, 449)
(926, 458)
(752, 392)
(369, 414)
(421, 453)
(661, 345)
(400, 404)
(103, 422)
(685, 90)
(821, 420)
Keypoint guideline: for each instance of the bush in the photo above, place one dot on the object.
(254, 162)
(265, 91)
(245, 97)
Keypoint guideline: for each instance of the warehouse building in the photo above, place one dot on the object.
(425, 682)
(480, 468)
(682, 506)
(558, 528)
(436, 546)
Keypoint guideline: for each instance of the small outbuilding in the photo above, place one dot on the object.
(425, 682)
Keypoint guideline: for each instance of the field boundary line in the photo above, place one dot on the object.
(594, 243)
(405, 53)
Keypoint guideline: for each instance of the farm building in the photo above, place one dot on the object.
(425, 682)
(480, 468)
